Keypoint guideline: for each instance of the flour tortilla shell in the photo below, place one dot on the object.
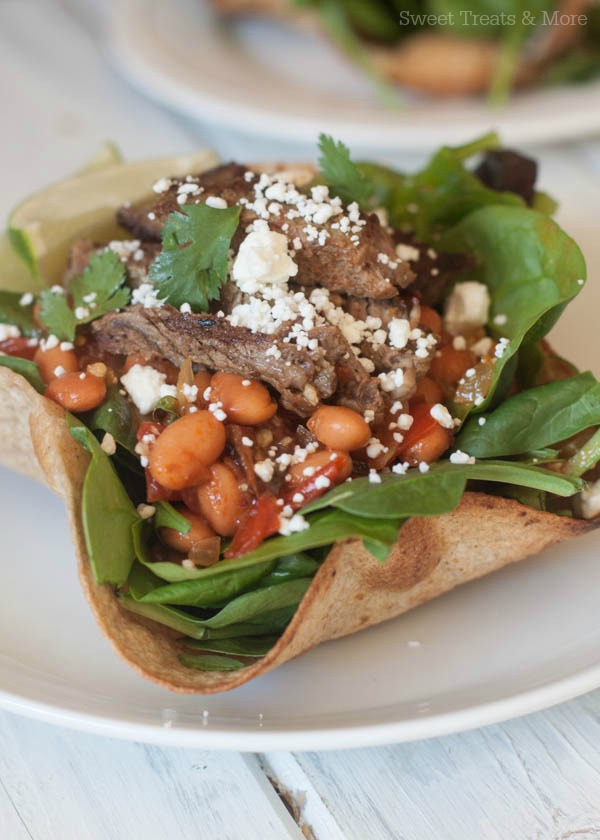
(350, 591)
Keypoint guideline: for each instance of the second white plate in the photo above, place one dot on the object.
(262, 78)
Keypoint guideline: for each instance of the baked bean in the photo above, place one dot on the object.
(185, 449)
(450, 365)
(51, 359)
(220, 500)
(247, 404)
(431, 319)
(200, 530)
(300, 472)
(338, 427)
(77, 391)
(428, 391)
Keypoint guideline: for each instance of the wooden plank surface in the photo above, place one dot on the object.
(536, 778)
(61, 785)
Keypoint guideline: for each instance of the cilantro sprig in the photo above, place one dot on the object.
(192, 266)
(99, 290)
(341, 173)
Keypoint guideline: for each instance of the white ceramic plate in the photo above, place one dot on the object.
(262, 78)
(512, 643)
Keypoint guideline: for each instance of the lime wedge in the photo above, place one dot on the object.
(107, 155)
(44, 226)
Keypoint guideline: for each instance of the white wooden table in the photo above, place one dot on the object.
(538, 777)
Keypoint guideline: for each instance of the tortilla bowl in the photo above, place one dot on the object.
(350, 591)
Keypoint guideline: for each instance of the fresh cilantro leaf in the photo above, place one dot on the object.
(192, 266)
(56, 314)
(94, 293)
(99, 289)
(341, 173)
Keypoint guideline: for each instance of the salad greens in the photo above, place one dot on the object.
(235, 609)
(192, 266)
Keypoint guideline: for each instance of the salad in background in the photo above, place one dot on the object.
(446, 48)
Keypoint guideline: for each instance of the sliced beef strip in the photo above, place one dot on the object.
(435, 270)
(302, 377)
(339, 265)
(136, 269)
(356, 389)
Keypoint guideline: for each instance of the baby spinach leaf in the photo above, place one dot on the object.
(210, 662)
(208, 592)
(192, 266)
(255, 646)
(325, 529)
(142, 580)
(438, 196)
(12, 312)
(107, 513)
(167, 517)
(288, 568)
(398, 496)
(434, 492)
(28, 370)
(535, 418)
(531, 268)
(341, 173)
(115, 417)
(254, 605)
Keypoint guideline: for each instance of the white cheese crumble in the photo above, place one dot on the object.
(146, 386)
(264, 470)
(501, 347)
(423, 467)
(374, 477)
(399, 332)
(441, 415)
(292, 524)
(190, 392)
(263, 260)
(467, 307)
(500, 320)
(590, 500)
(459, 457)
(147, 295)
(9, 331)
(407, 252)
(108, 444)
(146, 511)
(322, 482)
(26, 299)
(216, 202)
(482, 421)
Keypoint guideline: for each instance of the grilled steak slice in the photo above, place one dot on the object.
(347, 262)
(302, 377)
(356, 389)
(435, 270)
